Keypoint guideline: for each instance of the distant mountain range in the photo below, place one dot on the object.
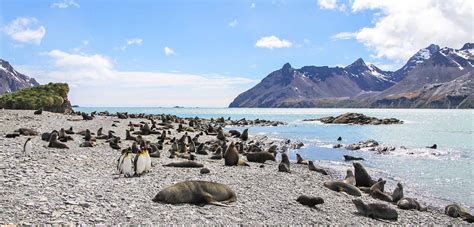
(432, 78)
(11, 80)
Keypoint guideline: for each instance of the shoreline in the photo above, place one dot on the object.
(79, 185)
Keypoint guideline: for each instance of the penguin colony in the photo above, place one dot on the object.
(135, 161)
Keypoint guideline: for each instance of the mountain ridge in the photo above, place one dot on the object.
(11, 80)
(362, 85)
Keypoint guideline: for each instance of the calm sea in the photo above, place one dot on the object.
(439, 176)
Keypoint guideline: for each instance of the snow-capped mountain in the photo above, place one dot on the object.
(429, 79)
(11, 80)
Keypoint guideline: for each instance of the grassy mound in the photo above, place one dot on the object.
(51, 97)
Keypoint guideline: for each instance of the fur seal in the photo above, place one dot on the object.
(87, 144)
(410, 204)
(245, 135)
(340, 186)
(375, 210)
(38, 112)
(260, 157)
(300, 160)
(350, 179)
(454, 210)
(196, 192)
(361, 176)
(53, 142)
(309, 200)
(27, 132)
(351, 158)
(284, 165)
(378, 194)
(339, 138)
(69, 131)
(234, 133)
(434, 146)
(397, 193)
(184, 164)
(312, 167)
(204, 171)
(231, 156)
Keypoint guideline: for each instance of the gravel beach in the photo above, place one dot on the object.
(81, 185)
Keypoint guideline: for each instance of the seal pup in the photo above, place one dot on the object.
(184, 164)
(300, 160)
(410, 204)
(312, 167)
(340, 186)
(231, 156)
(53, 142)
(196, 192)
(375, 210)
(350, 179)
(245, 135)
(284, 165)
(361, 176)
(38, 112)
(27, 132)
(260, 157)
(397, 193)
(87, 144)
(27, 147)
(378, 194)
(310, 201)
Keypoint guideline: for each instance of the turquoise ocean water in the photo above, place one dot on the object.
(439, 176)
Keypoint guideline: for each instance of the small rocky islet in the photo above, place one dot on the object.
(356, 119)
(82, 185)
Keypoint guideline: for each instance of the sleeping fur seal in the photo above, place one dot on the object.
(454, 210)
(196, 192)
(184, 164)
(309, 200)
(410, 204)
(375, 210)
(340, 186)
(361, 176)
(260, 157)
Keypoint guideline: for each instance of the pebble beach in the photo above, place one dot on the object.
(81, 185)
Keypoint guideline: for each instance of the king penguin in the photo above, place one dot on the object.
(148, 160)
(140, 163)
(27, 147)
(124, 164)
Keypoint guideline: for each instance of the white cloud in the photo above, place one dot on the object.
(135, 41)
(327, 4)
(64, 4)
(272, 42)
(130, 42)
(252, 5)
(21, 30)
(402, 27)
(344, 35)
(168, 51)
(233, 23)
(95, 82)
(84, 44)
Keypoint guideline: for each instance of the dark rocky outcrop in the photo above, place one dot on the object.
(357, 119)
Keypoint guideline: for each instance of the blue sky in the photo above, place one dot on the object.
(204, 53)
